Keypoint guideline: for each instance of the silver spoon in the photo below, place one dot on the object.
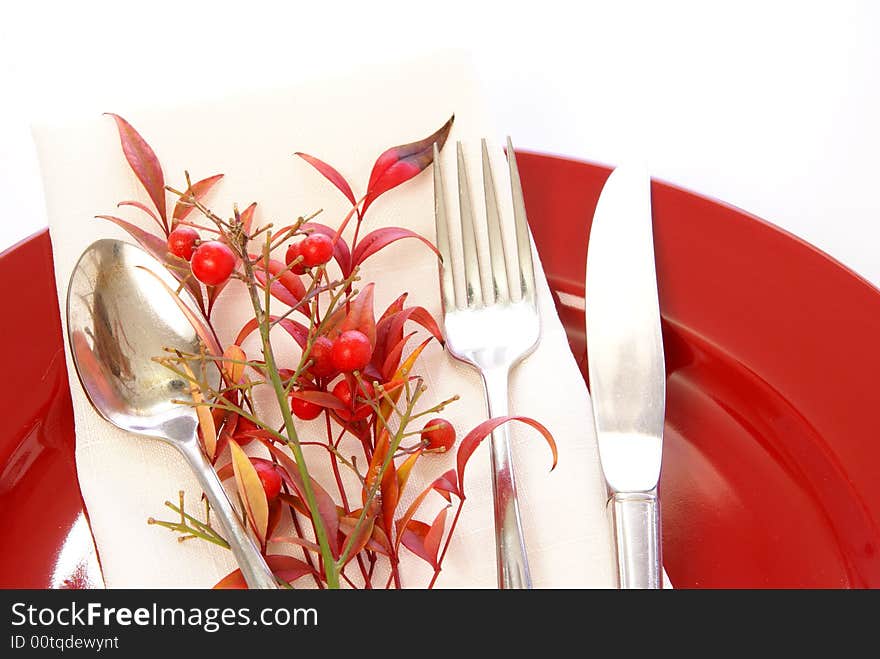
(118, 318)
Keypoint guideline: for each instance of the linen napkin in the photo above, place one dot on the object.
(251, 138)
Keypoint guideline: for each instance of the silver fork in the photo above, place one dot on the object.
(492, 329)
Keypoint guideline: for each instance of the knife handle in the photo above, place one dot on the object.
(635, 517)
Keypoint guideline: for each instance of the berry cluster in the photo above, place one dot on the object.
(212, 261)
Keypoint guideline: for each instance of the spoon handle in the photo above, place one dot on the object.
(252, 564)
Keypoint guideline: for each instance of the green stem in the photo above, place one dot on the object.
(330, 568)
(186, 517)
(193, 533)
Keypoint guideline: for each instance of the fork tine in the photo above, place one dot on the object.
(472, 280)
(523, 241)
(497, 253)
(441, 221)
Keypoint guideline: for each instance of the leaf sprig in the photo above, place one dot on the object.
(355, 376)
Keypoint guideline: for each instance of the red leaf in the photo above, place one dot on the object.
(288, 288)
(404, 521)
(247, 216)
(423, 540)
(257, 433)
(389, 330)
(382, 327)
(330, 174)
(327, 509)
(372, 373)
(400, 163)
(341, 252)
(424, 318)
(301, 542)
(379, 541)
(275, 510)
(435, 535)
(388, 488)
(144, 164)
(390, 495)
(470, 443)
(146, 209)
(394, 307)
(413, 538)
(225, 471)
(359, 317)
(299, 332)
(404, 470)
(233, 366)
(198, 190)
(214, 292)
(401, 375)
(392, 360)
(286, 568)
(297, 504)
(251, 491)
(158, 248)
(446, 484)
(208, 419)
(155, 245)
(322, 398)
(277, 289)
(418, 315)
(348, 526)
(381, 238)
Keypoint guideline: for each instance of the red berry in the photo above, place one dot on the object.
(213, 262)
(293, 251)
(322, 362)
(269, 477)
(305, 409)
(357, 411)
(182, 242)
(317, 249)
(438, 435)
(351, 351)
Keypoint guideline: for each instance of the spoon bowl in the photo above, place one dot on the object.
(119, 319)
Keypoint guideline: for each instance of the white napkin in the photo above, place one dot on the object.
(251, 139)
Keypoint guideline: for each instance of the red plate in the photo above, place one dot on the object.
(771, 453)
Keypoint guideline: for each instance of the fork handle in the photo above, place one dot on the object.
(510, 548)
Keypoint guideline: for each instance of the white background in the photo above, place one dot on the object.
(771, 106)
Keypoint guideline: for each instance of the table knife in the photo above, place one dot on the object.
(626, 370)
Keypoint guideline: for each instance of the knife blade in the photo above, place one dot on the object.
(626, 369)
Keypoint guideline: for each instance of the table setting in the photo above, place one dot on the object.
(392, 350)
